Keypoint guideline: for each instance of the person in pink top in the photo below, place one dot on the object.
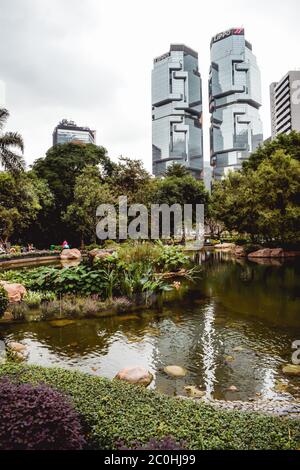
(65, 245)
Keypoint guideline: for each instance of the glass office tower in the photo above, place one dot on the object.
(235, 99)
(68, 131)
(177, 111)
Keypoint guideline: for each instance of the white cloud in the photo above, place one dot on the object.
(91, 61)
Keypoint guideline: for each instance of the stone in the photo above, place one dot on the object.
(292, 369)
(99, 253)
(281, 387)
(175, 371)
(61, 323)
(16, 347)
(238, 349)
(239, 252)
(18, 351)
(229, 358)
(15, 292)
(194, 392)
(277, 253)
(273, 253)
(135, 375)
(264, 253)
(233, 388)
(70, 253)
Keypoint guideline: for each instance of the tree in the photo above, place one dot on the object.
(10, 160)
(89, 192)
(60, 169)
(64, 163)
(177, 170)
(289, 143)
(129, 178)
(264, 203)
(22, 197)
(179, 190)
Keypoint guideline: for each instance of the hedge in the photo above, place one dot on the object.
(114, 411)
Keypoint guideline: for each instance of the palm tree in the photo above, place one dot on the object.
(10, 160)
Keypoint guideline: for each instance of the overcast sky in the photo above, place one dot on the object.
(91, 61)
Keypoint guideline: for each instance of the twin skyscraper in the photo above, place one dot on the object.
(234, 102)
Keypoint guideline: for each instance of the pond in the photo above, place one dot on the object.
(233, 327)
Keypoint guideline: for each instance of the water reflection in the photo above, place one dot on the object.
(209, 350)
(234, 327)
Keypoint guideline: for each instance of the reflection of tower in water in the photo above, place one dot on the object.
(209, 350)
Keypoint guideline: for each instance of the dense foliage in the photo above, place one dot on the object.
(263, 200)
(131, 272)
(3, 300)
(37, 418)
(167, 443)
(114, 411)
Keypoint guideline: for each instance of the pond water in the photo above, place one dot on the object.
(234, 326)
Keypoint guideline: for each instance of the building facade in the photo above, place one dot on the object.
(177, 134)
(68, 131)
(234, 99)
(285, 104)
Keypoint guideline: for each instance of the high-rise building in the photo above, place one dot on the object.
(285, 104)
(68, 131)
(235, 99)
(177, 111)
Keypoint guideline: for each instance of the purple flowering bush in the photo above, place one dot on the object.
(37, 418)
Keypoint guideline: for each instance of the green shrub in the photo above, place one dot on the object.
(172, 258)
(139, 252)
(32, 299)
(3, 300)
(114, 411)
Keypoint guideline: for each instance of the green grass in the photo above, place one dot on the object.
(113, 410)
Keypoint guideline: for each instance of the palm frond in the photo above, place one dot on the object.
(11, 139)
(11, 161)
(4, 115)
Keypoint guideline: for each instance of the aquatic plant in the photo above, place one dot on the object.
(172, 258)
(32, 299)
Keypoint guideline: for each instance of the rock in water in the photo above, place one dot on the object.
(238, 349)
(291, 369)
(16, 347)
(233, 388)
(175, 371)
(17, 350)
(15, 292)
(194, 392)
(135, 375)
